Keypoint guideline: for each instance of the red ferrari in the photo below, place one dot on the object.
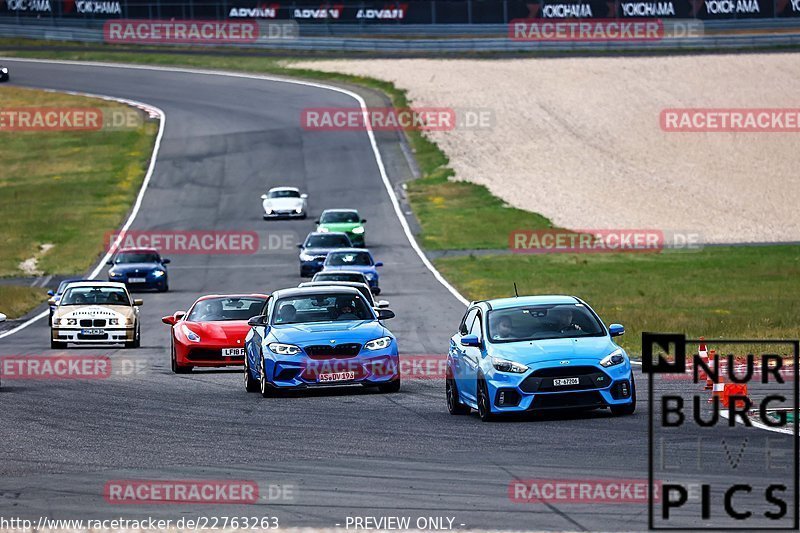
(211, 333)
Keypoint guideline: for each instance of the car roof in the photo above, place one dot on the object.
(543, 299)
(137, 250)
(334, 284)
(341, 211)
(337, 272)
(315, 233)
(115, 284)
(301, 291)
(284, 189)
(349, 250)
(252, 295)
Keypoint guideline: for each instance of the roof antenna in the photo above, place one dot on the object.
(515, 290)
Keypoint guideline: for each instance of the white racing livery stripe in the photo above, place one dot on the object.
(151, 109)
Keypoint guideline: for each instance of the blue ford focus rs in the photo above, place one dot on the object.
(537, 353)
(318, 336)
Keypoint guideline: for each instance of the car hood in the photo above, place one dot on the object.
(587, 349)
(340, 226)
(283, 203)
(126, 268)
(324, 332)
(222, 331)
(94, 311)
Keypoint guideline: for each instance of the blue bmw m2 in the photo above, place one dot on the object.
(318, 336)
(535, 353)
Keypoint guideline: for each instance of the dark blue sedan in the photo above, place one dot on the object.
(140, 268)
(315, 249)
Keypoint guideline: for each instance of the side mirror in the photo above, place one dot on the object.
(470, 340)
(382, 304)
(385, 314)
(260, 320)
(166, 261)
(615, 330)
(179, 315)
(300, 245)
(51, 293)
(109, 262)
(379, 264)
(316, 222)
(138, 302)
(363, 220)
(51, 301)
(264, 196)
(169, 320)
(304, 196)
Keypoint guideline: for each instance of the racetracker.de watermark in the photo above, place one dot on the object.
(578, 491)
(63, 367)
(396, 118)
(52, 118)
(730, 120)
(204, 242)
(601, 241)
(602, 30)
(197, 31)
(133, 491)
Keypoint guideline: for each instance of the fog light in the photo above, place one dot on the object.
(625, 390)
(507, 398)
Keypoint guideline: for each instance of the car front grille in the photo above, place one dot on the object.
(96, 323)
(589, 377)
(570, 400)
(323, 351)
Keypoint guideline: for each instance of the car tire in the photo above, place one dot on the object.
(390, 387)
(164, 288)
(250, 384)
(266, 390)
(454, 404)
(484, 403)
(377, 291)
(57, 345)
(174, 361)
(627, 409)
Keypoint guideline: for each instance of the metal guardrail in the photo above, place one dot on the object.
(92, 33)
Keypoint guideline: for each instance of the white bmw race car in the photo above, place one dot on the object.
(284, 202)
(96, 312)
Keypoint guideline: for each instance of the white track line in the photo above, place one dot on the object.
(370, 134)
(152, 112)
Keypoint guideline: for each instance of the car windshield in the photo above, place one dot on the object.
(338, 217)
(224, 309)
(95, 295)
(340, 276)
(63, 286)
(349, 259)
(137, 257)
(537, 322)
(327, 241)
(321, 308)
(284, 194)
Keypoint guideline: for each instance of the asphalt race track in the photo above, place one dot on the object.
(341, 452)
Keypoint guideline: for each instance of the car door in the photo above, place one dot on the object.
(472, 360)
(456, 351)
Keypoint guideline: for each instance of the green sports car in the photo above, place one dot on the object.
(343, 220)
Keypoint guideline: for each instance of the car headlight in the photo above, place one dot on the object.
(113, 321)
(4, 70)
(72, 321)
(359, 230)
(369, 275)
(159, 273)
(130, 320)
(306, 257)
(378, 344)
(113, 274)
(56, 321)
(298, 210)
(504, 365)
(616, 357)
(283, 349)
(191, 335)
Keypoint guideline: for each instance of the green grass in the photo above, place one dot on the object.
(741, 292)
(65, 188)
(452, 215)
(15, 301)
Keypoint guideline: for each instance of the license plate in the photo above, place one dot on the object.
(137, 280)
(336, 376)
(566, 381)
(233, 352)
(92, 332)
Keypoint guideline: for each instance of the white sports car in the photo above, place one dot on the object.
(284, 202)
(96, 312)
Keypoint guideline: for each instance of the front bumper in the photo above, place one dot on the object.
(109, 335)
(150, 281)
(535, 390)
(299, 372)
(284, 214)
(207, 355)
